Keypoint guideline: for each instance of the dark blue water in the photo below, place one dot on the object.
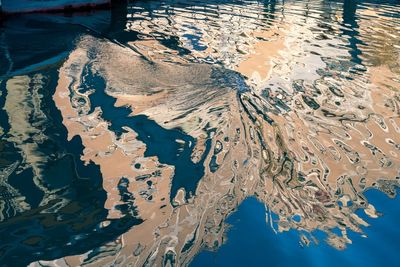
(252, 242)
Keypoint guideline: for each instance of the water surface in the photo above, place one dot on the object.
(138, 136)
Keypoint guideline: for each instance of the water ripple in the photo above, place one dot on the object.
(190, 107)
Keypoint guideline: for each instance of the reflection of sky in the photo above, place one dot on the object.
(195, 42)
(251, 242)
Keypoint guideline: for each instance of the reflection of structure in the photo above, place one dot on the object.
(23, 104)
(383, 47)
(167, 231)
(41, 182)
(296, 141)
(213, 31)
(308, 140)
(11, 201)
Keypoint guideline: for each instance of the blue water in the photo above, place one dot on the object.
(251, 242)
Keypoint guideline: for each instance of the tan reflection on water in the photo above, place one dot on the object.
(165, 228)
(22, 103)
(296, 159)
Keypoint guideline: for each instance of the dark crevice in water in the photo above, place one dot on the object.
(3, 114)
(128, 206)
(349, 18)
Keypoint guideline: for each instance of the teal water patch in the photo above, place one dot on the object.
(251, 242)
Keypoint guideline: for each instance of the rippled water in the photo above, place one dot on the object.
(129, 136)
